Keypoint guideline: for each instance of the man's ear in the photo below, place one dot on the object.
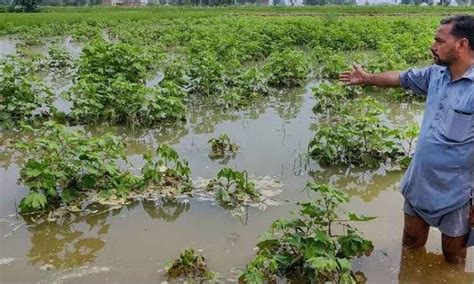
(464, 44)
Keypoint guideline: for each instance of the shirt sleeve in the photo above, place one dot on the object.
(416, 80)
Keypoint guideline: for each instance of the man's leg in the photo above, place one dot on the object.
(454, 227)
(454, 248)
(415, 231)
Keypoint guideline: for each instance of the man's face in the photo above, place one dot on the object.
(445, 46)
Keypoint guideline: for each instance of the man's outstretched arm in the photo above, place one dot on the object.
(359, 76)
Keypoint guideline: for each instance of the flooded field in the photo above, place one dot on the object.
(132, 244)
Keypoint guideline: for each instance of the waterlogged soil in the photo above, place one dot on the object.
(131, 244)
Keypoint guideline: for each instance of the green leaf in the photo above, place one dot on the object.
(252, 275)
(33, 172)
(268, 244)
(323, 264)
(345, 264)
(223, 196)
(68, 195)
(361, 218)
(33, 201)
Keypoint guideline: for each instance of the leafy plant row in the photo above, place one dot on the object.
(66, 167)
(231, 60)
(354, 131)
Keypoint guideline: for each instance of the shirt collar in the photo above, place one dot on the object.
(469, 74)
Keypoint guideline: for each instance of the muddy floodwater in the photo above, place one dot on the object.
(131, 244)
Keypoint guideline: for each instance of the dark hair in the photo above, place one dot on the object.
(463, 27)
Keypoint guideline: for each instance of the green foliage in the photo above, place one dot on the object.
(58, 58)
(286, 68)
(333, 64)
(164, 171)
(111, 61)
(359, 138)
(175, 71)
(410, 46)
(81, 32)
(205, 74)
(305, 249)
(97, 14)
(244, 84)
(222, 147)
(110, 86)
(123, 102)
(389, 59)
(253, 82)
(332, 98)
(233, 188)
(24, 97)
(62, 164)
(189, 265)
(234, 60)
(408, 136)
(29, 40)
(33, 201)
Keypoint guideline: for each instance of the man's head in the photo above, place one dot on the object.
(454, 40)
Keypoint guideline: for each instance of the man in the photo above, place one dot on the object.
(438, 183)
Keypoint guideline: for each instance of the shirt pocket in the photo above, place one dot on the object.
(459, 125)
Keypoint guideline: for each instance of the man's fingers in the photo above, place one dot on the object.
(351, 77)
(359, 69)
(345, 75)
(347, 79)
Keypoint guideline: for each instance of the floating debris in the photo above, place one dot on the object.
(14, 229)
(268, 188)
(6, 260)
(47, 267)
(80, 272)
(4, 221)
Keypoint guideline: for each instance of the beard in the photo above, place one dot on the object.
(450, 59)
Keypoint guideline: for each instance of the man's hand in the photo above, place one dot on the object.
(355, 77)
(359, 76)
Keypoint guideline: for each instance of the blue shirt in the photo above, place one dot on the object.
(440, 177)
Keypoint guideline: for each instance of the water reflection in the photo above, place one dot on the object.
(7, 46)
(73, 47)
(136, 139)
(222, 159)
(65, 242)
(167, 210)
(366, 184)
(288, 105)
(8, 152)
(73, 239)
(420, 266)
(139, 139)
(205, 114)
